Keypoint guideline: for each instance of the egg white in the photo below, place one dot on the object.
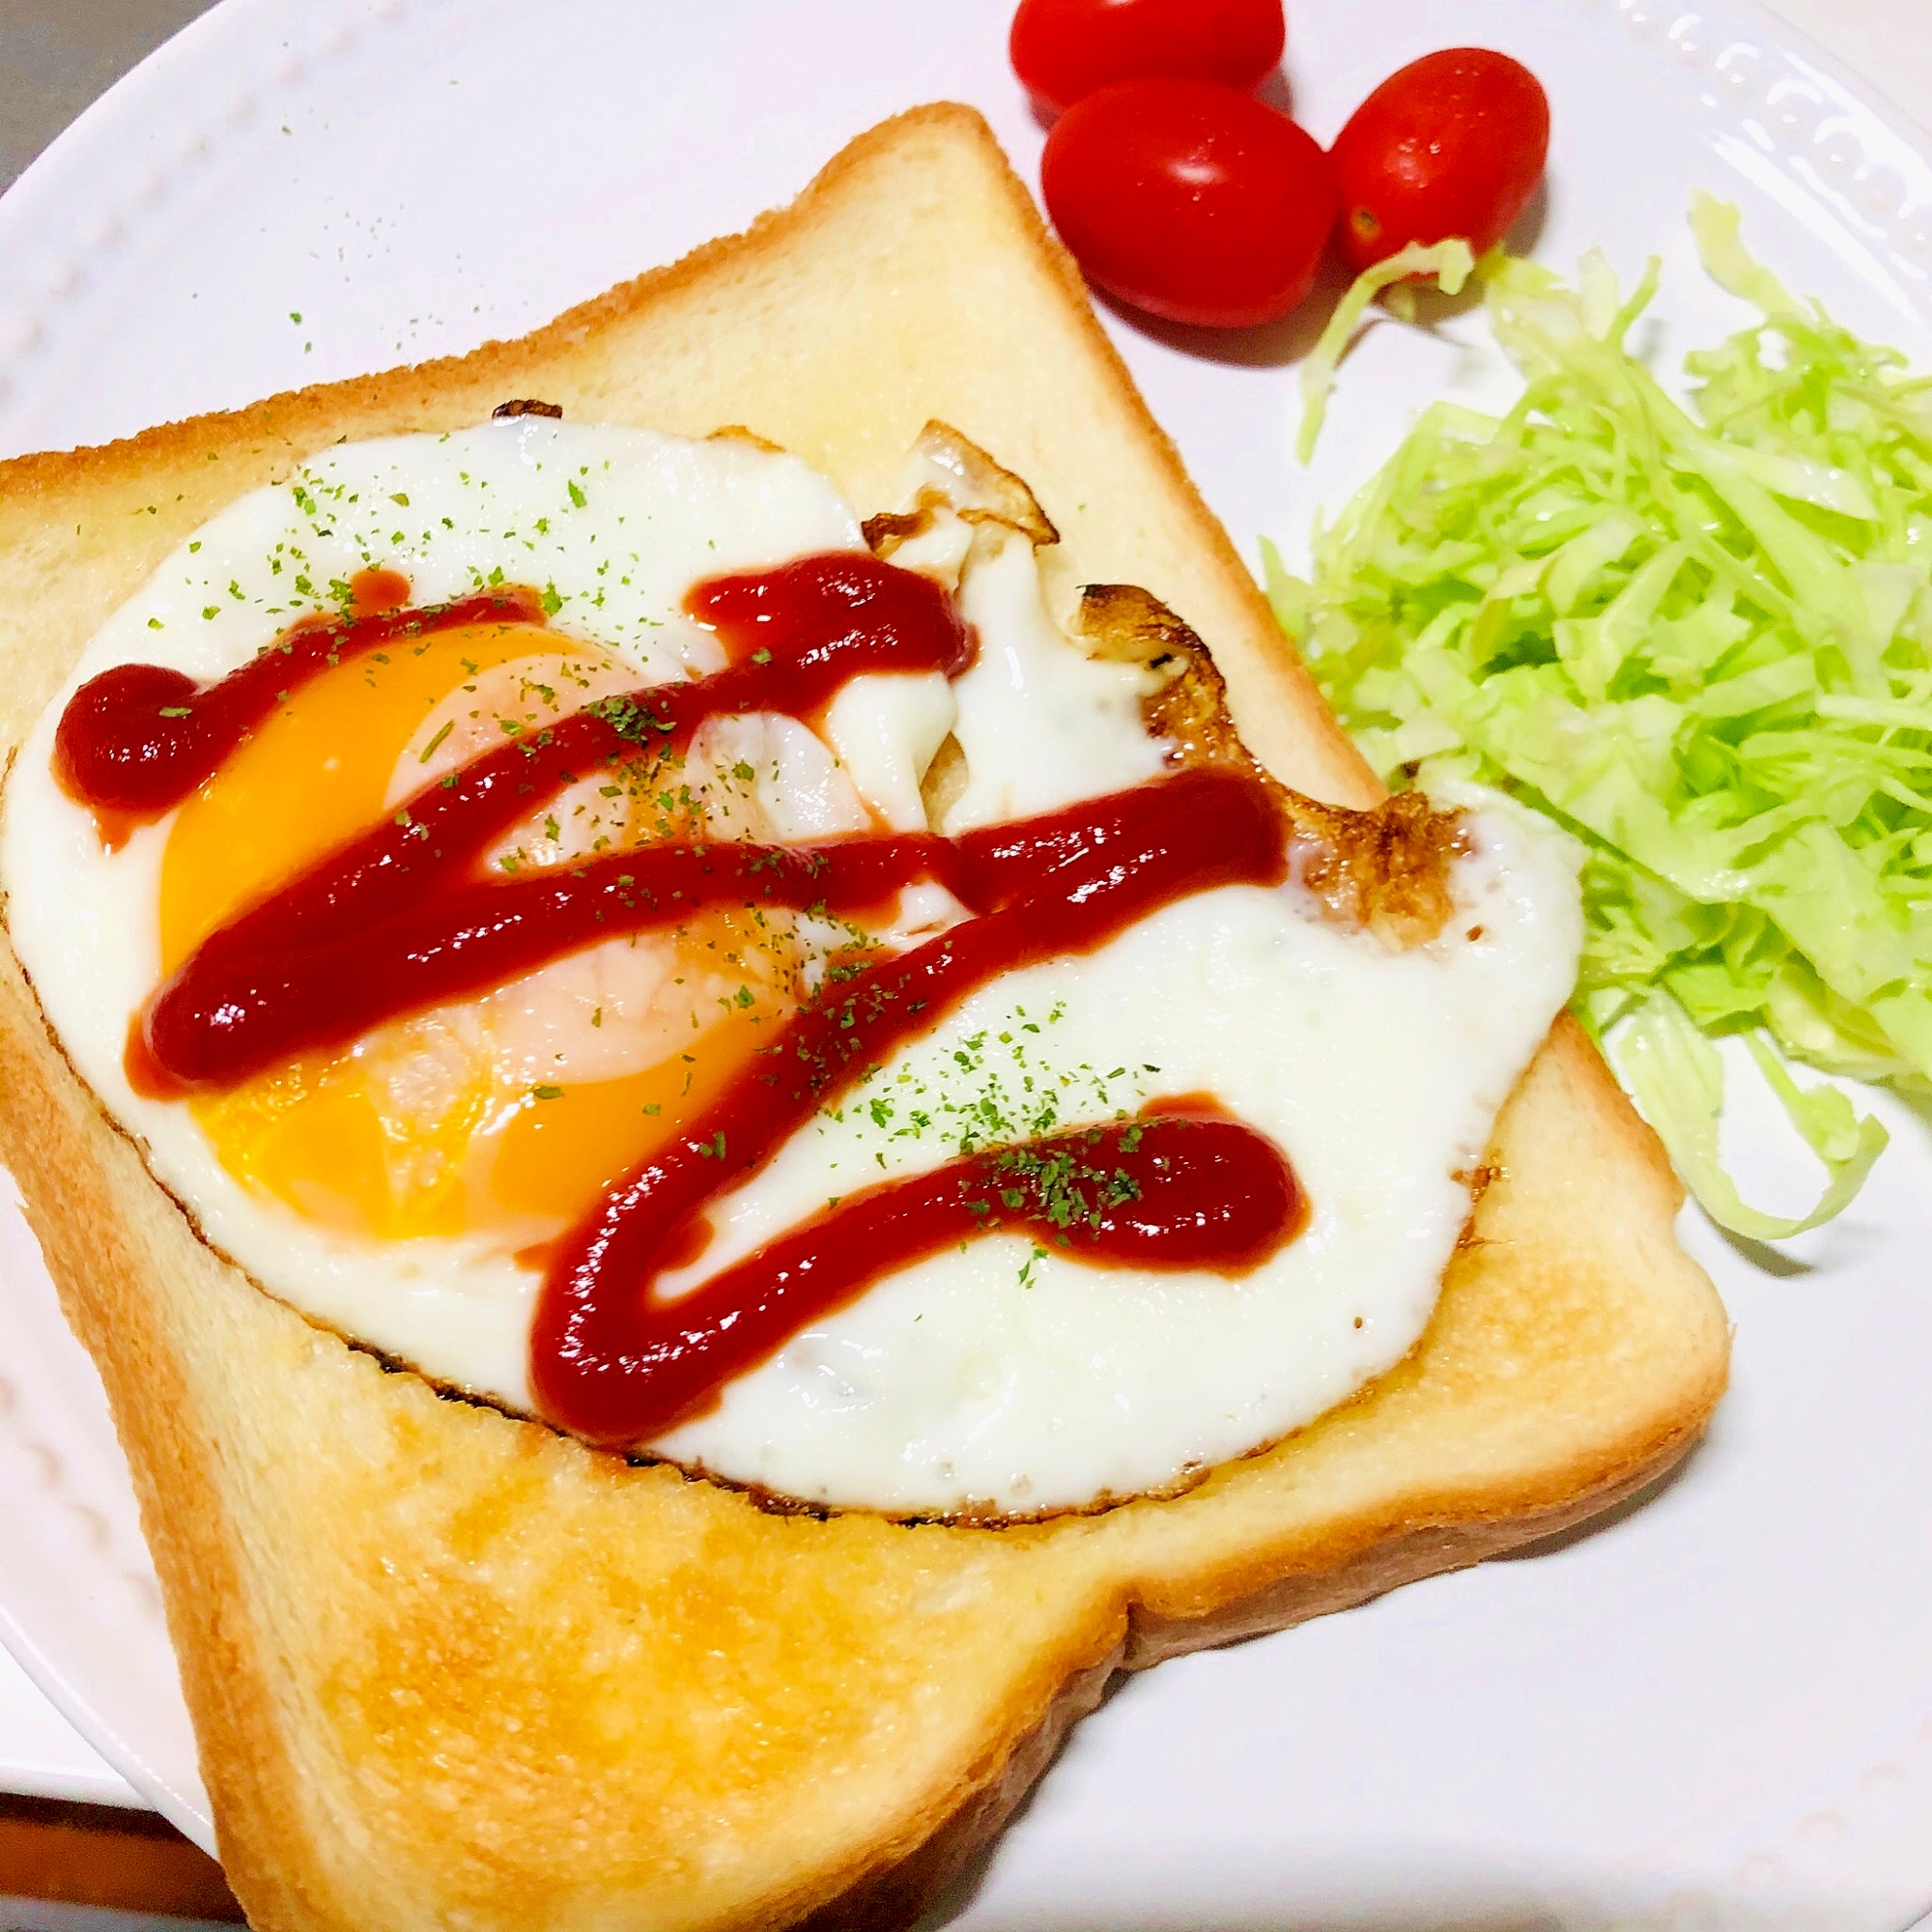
(498, 502)
(1001, 1379)
(992, 1380)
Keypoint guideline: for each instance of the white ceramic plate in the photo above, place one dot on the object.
(1715, 1708)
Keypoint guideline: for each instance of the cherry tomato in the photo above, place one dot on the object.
(1065, 49)
(1450, 145)
(1190, 200)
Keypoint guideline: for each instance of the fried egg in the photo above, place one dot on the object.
(400, 1190)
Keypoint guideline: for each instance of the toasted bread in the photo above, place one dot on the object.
(450, 1668)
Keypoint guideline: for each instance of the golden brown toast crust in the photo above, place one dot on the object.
(447, 1667)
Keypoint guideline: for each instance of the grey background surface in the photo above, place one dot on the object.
(56, 55)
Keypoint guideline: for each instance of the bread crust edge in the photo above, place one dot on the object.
(897, 1894)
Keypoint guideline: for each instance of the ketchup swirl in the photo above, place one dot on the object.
(1174, 1189)
(247, 999)
(136, 740)
(842, 615)
(401, 918)
(1106, 864)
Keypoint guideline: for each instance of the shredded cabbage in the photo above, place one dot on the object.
(1676, 1077)
(1702, 640)
(1449, 262)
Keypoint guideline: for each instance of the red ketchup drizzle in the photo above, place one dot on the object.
(1170, 1190)
(401, 918)
(601, 1339)
(137, 740)
(842, 615)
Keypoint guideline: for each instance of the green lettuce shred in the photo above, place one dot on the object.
(1449, 262)
(1702, 640)
(1677, 1078)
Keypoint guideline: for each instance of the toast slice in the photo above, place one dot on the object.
(449, 1668)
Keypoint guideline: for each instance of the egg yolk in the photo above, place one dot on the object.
(510, 1116)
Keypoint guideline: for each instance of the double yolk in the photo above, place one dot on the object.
(508, 1117)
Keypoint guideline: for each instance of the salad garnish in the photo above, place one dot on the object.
(1451, 264)
(1700, 638)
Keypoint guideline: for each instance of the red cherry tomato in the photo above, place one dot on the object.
(1450, 145)
(1189, 200)
(1065, 50)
